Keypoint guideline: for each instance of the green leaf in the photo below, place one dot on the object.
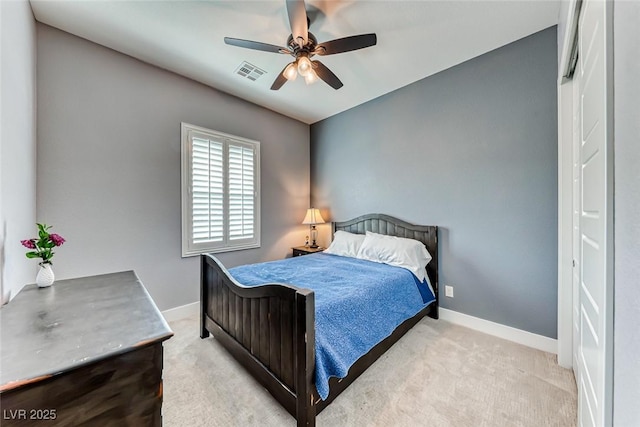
(42, 231)
(32, 255)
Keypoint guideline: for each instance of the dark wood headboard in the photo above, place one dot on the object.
(390, 226)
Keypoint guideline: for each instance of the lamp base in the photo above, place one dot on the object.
(314, 237)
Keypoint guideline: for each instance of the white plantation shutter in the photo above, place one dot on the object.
(220, 202)
(241, 192)
(207, 191)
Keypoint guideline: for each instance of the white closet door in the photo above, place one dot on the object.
(594, 396)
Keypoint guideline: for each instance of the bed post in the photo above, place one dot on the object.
(204, 296)
(305, 358)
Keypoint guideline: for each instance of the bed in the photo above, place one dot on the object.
(271, 328)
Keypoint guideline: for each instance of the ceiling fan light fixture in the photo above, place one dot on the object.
(304, 66)
(291, 72)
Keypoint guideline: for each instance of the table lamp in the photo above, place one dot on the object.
(312, 218)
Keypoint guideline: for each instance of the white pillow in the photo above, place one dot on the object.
(345, 244)
(398, 251)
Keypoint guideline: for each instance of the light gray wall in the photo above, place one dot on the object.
(626, 381)
(473, 150)
(109, 165)
(17, 145)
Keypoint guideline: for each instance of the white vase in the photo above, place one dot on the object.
(45, 276)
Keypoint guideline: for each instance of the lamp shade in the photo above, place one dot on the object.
(313, 217)
(291, 72)
(311, 77)
(304, 66)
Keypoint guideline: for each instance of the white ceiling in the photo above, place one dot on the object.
(415, 39)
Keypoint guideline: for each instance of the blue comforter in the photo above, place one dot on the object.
(358, 304)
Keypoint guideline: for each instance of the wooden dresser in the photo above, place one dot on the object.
(83, 352)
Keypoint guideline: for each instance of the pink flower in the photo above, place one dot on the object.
(56, 239)
(28, 243)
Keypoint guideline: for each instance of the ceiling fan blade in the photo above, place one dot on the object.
(346, 44)
(280, 80)
(297, 12)
(327, 75)
(248, 44)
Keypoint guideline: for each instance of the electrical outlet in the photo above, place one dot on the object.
(448, 291)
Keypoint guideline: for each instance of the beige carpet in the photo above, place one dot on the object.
(439, 374)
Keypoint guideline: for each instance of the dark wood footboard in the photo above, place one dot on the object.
(269, 329)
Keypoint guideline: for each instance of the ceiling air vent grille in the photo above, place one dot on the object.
(250, 71)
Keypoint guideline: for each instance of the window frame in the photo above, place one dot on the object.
(189, 247)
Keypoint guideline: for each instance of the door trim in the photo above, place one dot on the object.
(565, 222)
(609, 236)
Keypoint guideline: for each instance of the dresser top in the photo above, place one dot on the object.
(48, 331)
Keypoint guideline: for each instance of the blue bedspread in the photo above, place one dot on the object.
(358, 304)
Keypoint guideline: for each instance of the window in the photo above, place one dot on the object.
(220, 191)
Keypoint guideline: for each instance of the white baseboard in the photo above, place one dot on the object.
(179, 313)
(519, 336)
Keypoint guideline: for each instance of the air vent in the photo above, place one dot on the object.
(250, 71)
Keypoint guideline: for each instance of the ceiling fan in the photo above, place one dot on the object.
(302, 45)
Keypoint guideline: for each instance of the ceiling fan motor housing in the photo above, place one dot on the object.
(309, 48)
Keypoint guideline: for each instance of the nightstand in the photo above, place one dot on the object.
(305, 250)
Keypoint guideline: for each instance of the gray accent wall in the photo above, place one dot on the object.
(109, 165)
(17, 145)
(626, 336)
(473, 150)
